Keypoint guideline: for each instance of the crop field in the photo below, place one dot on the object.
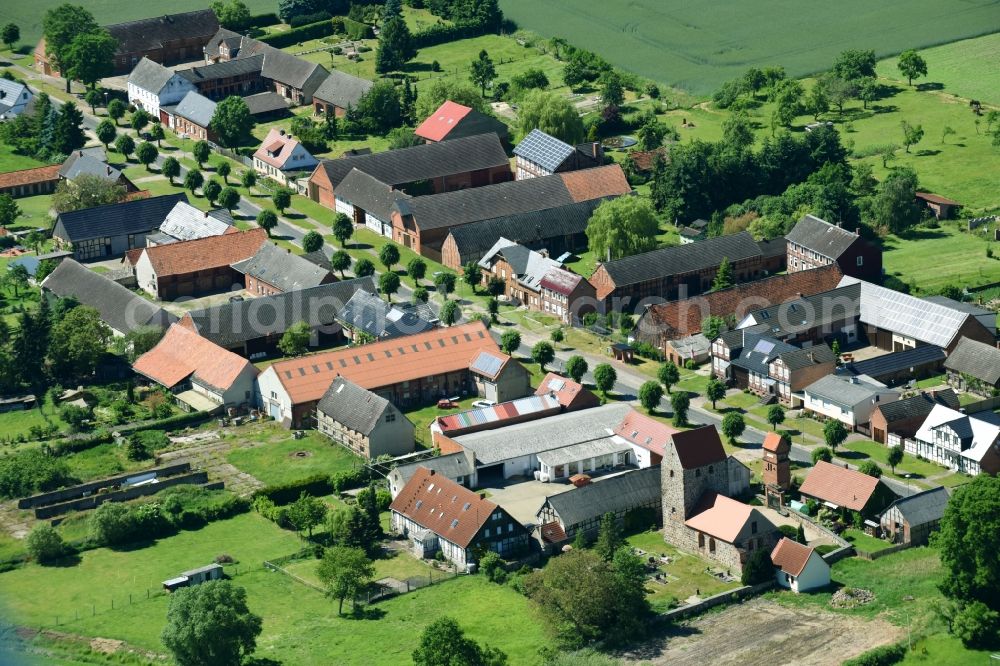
(967, 68)
(697, 46)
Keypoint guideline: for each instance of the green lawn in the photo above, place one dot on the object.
(11, 161)
(959, 258)
(13, 424)
(965, 68)
(880, 452)
(862, 541)
(424, 416)
(104, 460)
(275, 462)
(34, 213)
(399, 565)
(945, 650)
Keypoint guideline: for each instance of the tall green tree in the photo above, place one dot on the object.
(340, 261)
(439, 91)
(307, 512)
(68, 134)
(450, 313)
(229, 198)
(612, 88)
(267, 220)
(282, 199)
(395, 45)
(125, 145)
(650, 394)
(116, 110)
(912, 134)
(542, 353)
(389, 255)
(775, 416)
(510, 341)
(146, 153)
(552, 114)
(212, 189)
(444, 282)
(622, 227)
(609, 538)
(715, 391)
(231, 121)
(482, 72)
(605, 378)
(472, 274)
(911, 65)
(93, 97)
(388, 284)
(364, 267)
(733, 426)
(106, 132)
(201, 151)
(312, 241)
(345, 572)
(443, 643)
(232, 14)
(10, 34)
(343, 228)
(91, 57)
(893, 206)
(679, 403)
(193, 180)
(834, 433)
(855, 64)
(223, 169)
(894, 456)
(416, 269)
(77, 343)
(724, 276)
(668, 374)
(210, 624)
(60, 26)
(9, 211)
(295, 340)
(576, 368)
(86, 191)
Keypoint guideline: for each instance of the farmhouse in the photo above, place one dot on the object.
(339, 92)
(152, 86)
(86, 162)
(111, 230)
(912, 519)
(892, 421)
(453, 121)
(185, 222)
(282, 158)
(368, 201)
(520, 269)
(220, 80)
(974, 366)
(433, 512)
(365, 423)
(964, 443)
(841, 488)
(14, 98)
(192, 117)
(29, 182)
(848, 399)
(201, 375)
(119, 308)
(367, 315)
(274, 270)
(799, 567)
(539, 154)
(498, 377)
(459, 467)
(805, 320)
(566, 295)
(814, 242)
(412, 370)
(634, 493)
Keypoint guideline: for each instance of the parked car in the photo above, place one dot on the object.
(479, 404)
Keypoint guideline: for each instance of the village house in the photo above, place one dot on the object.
(912, 519)
(423, 223)
(414, 370)
(539, 154)
(453, 121)
(113, 229)
(121, 309)
(185, 222)
(566, 295)
(253, 327)
(92, 162)
(282, 158)
(195, 267)
(14, 98)
(152, 86)
(458, 467)
(274, 270)
(840, 488)
(799, 567)
(633, 494)
(814, 242)
(571, 395)
(974, 366)
(693, 349)
(220, 80)
(339, 92)
(498, 377)
(201, 375)
(649, 438)
(894, 421)
(943, 208)
(520, 269)
(964, 443)
(560, 231)
(368, 201)
(809, 320)
(29, 182)
(428, 169)
(792, 371)
(367, 317)
(433, 513)
(192, 117)
(848, 399)
(365, 423)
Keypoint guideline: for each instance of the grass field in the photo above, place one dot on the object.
(11, 161)
(958, 258)
(275, 462)
(697, 46)
(966, 68)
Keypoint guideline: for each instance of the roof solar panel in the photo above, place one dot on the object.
(486, 364)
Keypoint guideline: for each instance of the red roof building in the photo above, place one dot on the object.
(799, 567)
(842, 488)
(570, 394)
(647, 433)
(29, 182)
(453, 121)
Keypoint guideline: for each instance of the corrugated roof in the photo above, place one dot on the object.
(185, 222)
(544, 150)
(496, 415)
(595, 448)
(722, 517)
(977, 359)
(612, 494)
(821, 237)
(265, 102)
(900, 361)
(931, 323)
(183, 353)
(838, 485)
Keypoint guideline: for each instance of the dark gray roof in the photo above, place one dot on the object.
(808, 312)
(220, 36)
(196, 108)
(149, 34)
(282, 269)
(223, 70)
(611, 495)
(901, 361)
(451, 465)
(150, 75)
(846, 391)
(357, 408)
(265, 102)
(342, 89)
(82, 163)
(924, 507)
(528, 228)
(319, 258)
(296, 72)
(759, 351)
(987, 318)
(917, 406)
(680, 259)
(369, 313)
(803, 358)
(129, 217)
(234, 323)
(977, 359)
(408, 165)
(369, 194)
(544, 150)
(821, 237)
(119, 308)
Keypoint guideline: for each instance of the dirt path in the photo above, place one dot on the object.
(765, 632)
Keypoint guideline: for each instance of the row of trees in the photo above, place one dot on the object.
(77, 46)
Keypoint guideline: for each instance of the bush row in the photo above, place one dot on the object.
(306, 19)
(884, 655)
(301, 34)
(353, 29)
(78, 444)
(286, 493)
(263, 20)
(442, 34)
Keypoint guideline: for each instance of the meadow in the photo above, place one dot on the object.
(697, 46)
(967, 68)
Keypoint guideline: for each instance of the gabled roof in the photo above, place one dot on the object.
(901, 361)
(342, 89)
(560, 281)
(292, 71)
(448, 464)
(797, 359)
(680, 259)
(278, 147)
(988, 318)
(544, 150)
(776, 443)
(570, 394)
(357, 408)
(489, 364)
(282, 269)
(529, 267)
(977, 359)
(453, 121)
(136, 216)
(838, 485)
(807, 312)
(917, 406)
(28, 176)
(759, 351)
(81, 162)
(149, 34)
(369, 194)
(698, 447)
(196, 108)
(10, 93)
(821, 237)
(150, 76)
(721, 517)
(205, 253)
(924, 507)
(384, 363)
(791, 556)
(265, 102)
(119, 308)
(185, 222)
(183, 353)
(979, 431)
(646, 432)
(847, 391)
(612, 494)
(936, 198)
(235, 322)
(437, 503)
(366, 312)
(223, 70)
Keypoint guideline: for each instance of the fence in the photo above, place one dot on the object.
(231, 154)
(871, 557)
(982, 405)
(841, 553)
(738, 594)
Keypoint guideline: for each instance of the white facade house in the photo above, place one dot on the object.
(850, 400)
(14, 98)
(969, 444)
(282, 158)
(799, 567)
(151, 86)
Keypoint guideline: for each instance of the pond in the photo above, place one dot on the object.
(619, 142)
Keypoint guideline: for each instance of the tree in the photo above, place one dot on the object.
(312, 241)
(443, 643)
(855, 64)
(800, 535)
(395, 45)
(482, 72)
(125, 145)
(911, 65)
(388, 284)
(650, 394)
(91, 57)
(822, 453)
(156, 133)
(34, 240)
(612, 88)
(267, 220)
(834, 433)
(86, 191)
(893, 206)
(493, 308)
(622, 227)
(92, 97)
(61, 26)
(201, 152)
(445, 282)
(733, 426)
(788, 101)
(116, 110)
(146, 153)
(68, 133)
(472, 274)
(224, 169)
(724, 276)
(378, 110)
(969, 540)
(605, 378)
(389, 255)
(553, 114)
(609, 539)
(976, 625)
(758, 568)
(307, 512)
(817, 102)
(212, 189)
(345, 572)
(510, 341)
(10, 34)
(282, 199)
(229, 198)
(894, 456)
(775, 416)
(576, 368)
(871, 468)
(232, 14)
(340, 261)
(295, 340)
(912, 134)
(651, 133)
(364, 267)
(44, 544)
(210, 624)
(542, 353)
(557, 335)
(343, 228)
(416, 269)
(231, 121)
(106, 132)
(248, 179)
(839, 91)
(441, 90)
(140, 119)
(450, 313)
(668, 374)
(77, 343)
(680, 402)
(868, 90)
(714, 391)
(17, 277)
(9, 210)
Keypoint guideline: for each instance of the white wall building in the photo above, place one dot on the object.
(850, 400)
(151, 86)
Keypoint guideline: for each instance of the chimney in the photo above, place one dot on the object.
(812, 357)
(482, 495)
(206, 213)
(288, 250)
(431, 472)
(857, 231)
(281, 132)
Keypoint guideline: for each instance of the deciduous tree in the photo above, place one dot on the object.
(229, 198)
(482, 72)
(576, 368)
(10, 34)
(210, 624)
(715, 391)
(834, 433)
(364, 267)
(295, 340)
(775, 416)
(267, 220)
(212, 189)
(911, 65)
(106, 132)
(416, 269)
(312, 241)
(231, 121)
(91, 57)
(542, 353)
(282, 199)
(45, 544)
(912, 134)
(116, 110)
(605, 378)
(472, 274)
(443, 643)
(510, 341)
(680, 402)
(345, 572)
(86, 191)
(450, 313)
(146, 153)
(232, 14)
(77, 342)
(622, 227)
(650, 394)
(894, 456)
(388, 284)
(445, 282)
(389, 255)
(201, 151)
(60, 26)
(343, 228)
(553, 114)
(125, 145)
(733, 426)
(340, 261)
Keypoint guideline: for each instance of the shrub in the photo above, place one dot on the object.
(491, 566)
(883, 655)
(30, 471)
(758, 568)
(306, 19)
(356, 30)
(356, 478)
(789, 531)
(286, 493)
(44, 544)
(302, 34)
(977, 625)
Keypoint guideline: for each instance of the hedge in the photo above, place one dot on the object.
(442, 34)
(302, 34)
(356, 29)
(306, 19)
(884, 655)
(263, 20)
(354, 479)
(67, 446)
(286, 493)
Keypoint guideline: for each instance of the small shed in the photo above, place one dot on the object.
(194, 577)
(799, 567)
(621, 351)
(942, 207)
(912, 519)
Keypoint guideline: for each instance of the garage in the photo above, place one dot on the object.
(490, 475)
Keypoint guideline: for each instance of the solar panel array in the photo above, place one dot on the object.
(544, 150)
(487, 364)
(910, 316)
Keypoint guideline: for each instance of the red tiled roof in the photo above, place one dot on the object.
(205, 253)
(646, 432)
(442, 506)
(29, 176)
(936, 198)
(182, 353)
(774, 442)
(644, 159)
(132, 256)
(720, 516)
(278, 143)
(838, 485)
(791, 556)
(438, 124)
(560, 281)
(698, 447)
(570, 394)
(602, 181)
